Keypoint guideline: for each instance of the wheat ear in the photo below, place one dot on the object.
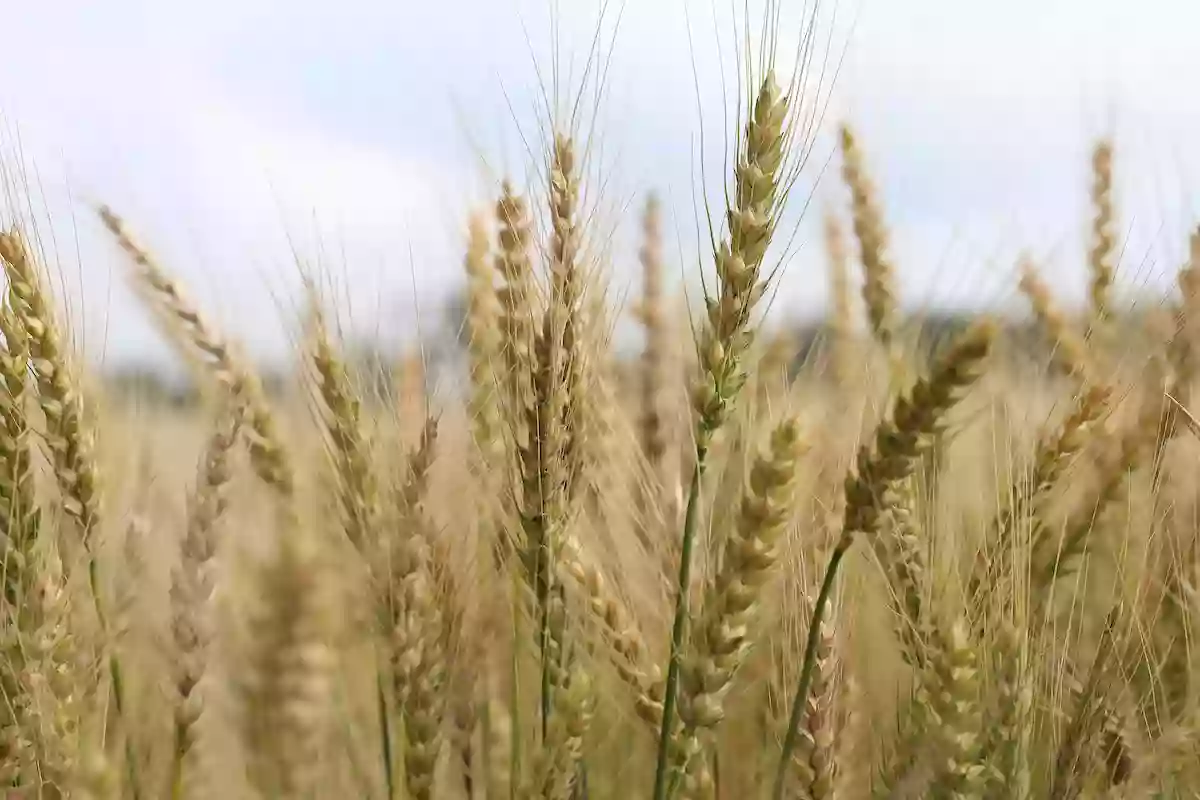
(879, 291)
(516, 295)
(554, 774)
(841, 314)
(192, 588)
(189, 330)
(952, 686)
(652, 313)
(1055, 454)
(901, 554)
(722, 636)
(54, 687)
(1103, 245)
(20, 521)
(69, 437)
(816, 753)
(20, 515)
(1006, 746)
(629, 651)
(565, 311)
(724, 340)
(1087, 717)
(1070, 351)
(416, 628)
(1053, 558)
(341, 418)
(485, 344)
(283, 686)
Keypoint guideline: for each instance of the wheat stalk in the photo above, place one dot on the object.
(881, 466)
(725, 339)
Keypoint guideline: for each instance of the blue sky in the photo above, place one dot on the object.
(360, 133)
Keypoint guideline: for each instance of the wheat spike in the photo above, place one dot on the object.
(516, 295)
(954, 701)
(723, 633)
(841, 313)
(19, 509)
(190, 331)
(282, 687)
(1103, 245)
(554, 774)
(192, 588)
(739, 258)
(725, 339)
(349, 451)
(565, 312)
(485, 343)
(1055, 454)
(816, 755)
(900, 439)
(1071, 351)
(628, 647)
(652, 312)
(69, 437)
(879, 293)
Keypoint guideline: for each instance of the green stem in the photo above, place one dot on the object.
(485, 740)
(176, 790)
(543, 646)
(681, 603)
(515, 689)
(806, 673)
(118, 683)
(385, 734)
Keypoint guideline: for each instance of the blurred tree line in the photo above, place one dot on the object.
(373, 364)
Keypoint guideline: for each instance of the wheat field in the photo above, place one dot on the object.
(887, 563)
